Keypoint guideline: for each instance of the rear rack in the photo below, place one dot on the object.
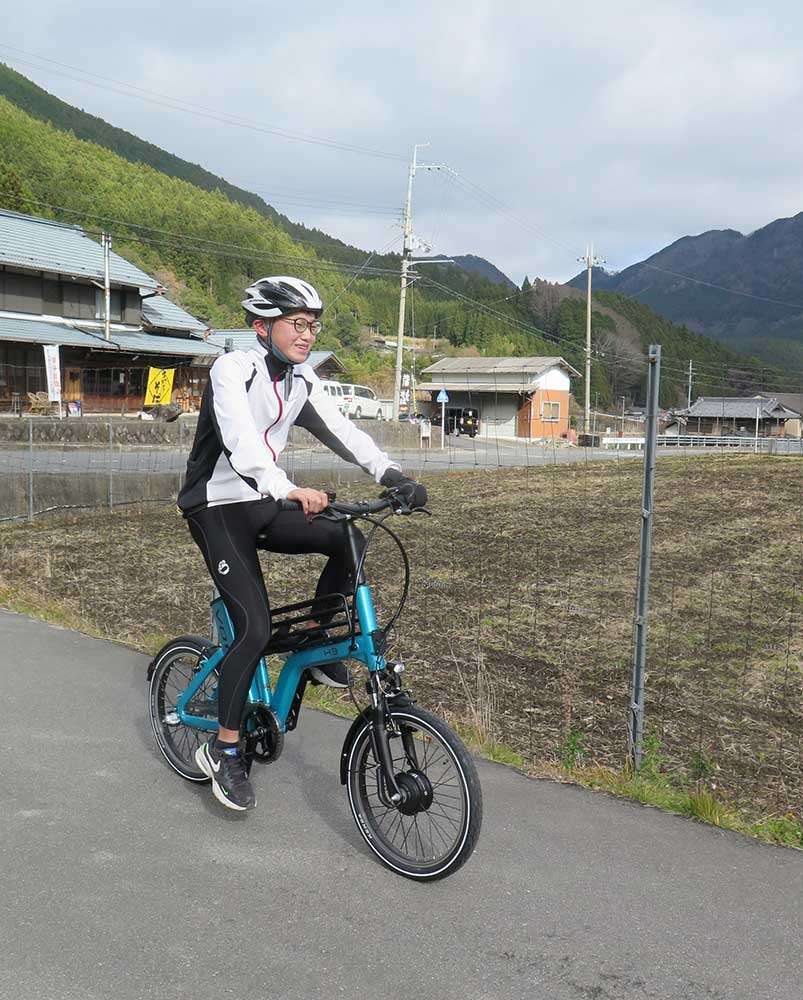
(286, 637)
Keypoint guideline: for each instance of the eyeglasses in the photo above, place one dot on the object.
(302, 325)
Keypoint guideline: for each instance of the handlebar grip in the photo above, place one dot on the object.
(289, 505)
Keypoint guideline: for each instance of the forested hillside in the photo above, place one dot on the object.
(745, 291)
(205, 247)
(38, 103)
(622, 330)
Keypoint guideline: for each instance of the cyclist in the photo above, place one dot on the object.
(234, 483)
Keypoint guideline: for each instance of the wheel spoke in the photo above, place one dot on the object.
(423, 836)
(180, 742)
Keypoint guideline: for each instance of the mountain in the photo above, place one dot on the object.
(622, 330)
(745, 291)
(480, 266)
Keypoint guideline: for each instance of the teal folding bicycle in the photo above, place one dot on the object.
(412, 786)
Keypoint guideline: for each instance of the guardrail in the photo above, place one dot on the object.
(770, 445)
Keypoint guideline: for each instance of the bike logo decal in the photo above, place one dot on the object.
(223, 567)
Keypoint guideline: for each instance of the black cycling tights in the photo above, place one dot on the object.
(226, 535)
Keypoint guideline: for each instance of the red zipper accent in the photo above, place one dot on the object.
(276, 421)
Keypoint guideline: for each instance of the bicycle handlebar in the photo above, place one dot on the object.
(353, 509)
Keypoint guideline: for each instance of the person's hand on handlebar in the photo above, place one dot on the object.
(312, 501)
(413, 493)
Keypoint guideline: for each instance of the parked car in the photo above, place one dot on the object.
(362, 402)
(336, 391)
(459, 420)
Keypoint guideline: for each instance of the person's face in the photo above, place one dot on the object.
(293, 343)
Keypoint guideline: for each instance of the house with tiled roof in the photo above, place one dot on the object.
(515, 397)
(53, 292)
(767, 416)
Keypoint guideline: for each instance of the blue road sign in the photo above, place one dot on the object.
(443, 397)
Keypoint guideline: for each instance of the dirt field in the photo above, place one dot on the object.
(520, 619)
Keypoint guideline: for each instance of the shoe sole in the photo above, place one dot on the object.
(217, 791)
(319, 677)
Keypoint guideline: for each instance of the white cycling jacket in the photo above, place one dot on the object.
(249, 405)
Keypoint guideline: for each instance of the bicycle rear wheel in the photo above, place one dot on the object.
(433, 832)
(174, 667)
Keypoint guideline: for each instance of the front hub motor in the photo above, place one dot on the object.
(416, 791)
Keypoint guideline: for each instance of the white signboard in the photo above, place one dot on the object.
(53, 372)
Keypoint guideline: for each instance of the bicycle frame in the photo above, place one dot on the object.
(366, 645)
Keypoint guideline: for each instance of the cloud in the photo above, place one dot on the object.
(628, 124)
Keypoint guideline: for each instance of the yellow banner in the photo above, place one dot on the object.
(160, 386)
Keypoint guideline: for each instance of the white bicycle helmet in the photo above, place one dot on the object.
(277, 295)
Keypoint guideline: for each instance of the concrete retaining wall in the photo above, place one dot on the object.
(179, 433)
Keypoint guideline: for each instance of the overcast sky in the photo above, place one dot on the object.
(626, 126)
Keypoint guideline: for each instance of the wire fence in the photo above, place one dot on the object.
(521, 615)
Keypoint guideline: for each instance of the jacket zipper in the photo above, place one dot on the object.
(276, 421)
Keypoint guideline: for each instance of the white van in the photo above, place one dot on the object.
(362, 402)
(337, 392)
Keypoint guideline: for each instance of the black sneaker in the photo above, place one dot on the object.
(335, 675)
(230, 783)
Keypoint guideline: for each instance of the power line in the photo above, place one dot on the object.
(188, 243)
(213, 247)
(131, 90)
(295, 239)
(709, 284)
(490, 200)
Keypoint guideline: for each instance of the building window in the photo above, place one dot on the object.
(550, 412)
(115, 304)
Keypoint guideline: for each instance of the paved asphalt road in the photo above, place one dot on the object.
(120, 881)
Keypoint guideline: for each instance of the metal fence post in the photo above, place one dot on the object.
(30, 468)
(636, 719)
(111, 448)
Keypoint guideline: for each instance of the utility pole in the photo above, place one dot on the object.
(407, 250)
(590, 262)
(688, 404)
(106, 241)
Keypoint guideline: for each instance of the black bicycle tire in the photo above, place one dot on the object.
(191, 643)
(471, 783)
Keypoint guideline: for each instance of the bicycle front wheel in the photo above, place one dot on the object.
(434, 830)
(175, 665)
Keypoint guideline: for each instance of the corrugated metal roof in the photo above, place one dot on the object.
(162, 314)
(499, 365)
(26, 331)
(242, 339)
(737, 407)
(42, 245)
(479, 387)
(158, 343)
(135, 341)
(245, 340)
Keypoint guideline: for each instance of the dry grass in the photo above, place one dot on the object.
(519, 623)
